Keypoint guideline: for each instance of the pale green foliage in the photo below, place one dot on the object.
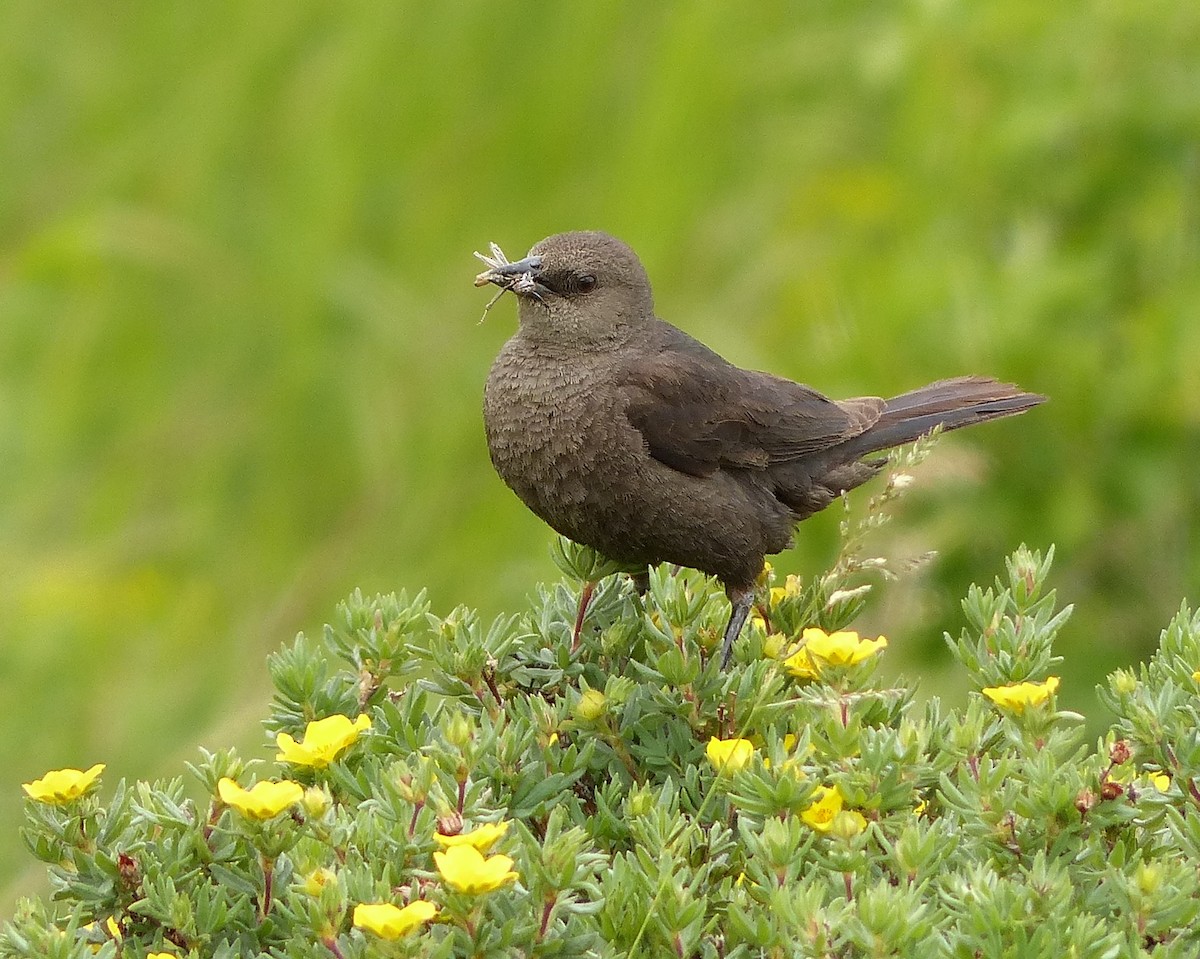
(239, 359)
(974, 832)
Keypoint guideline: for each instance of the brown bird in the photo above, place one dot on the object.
(627, 435)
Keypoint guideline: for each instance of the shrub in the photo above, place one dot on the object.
(445, 788)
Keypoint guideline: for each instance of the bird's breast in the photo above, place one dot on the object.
(552, 428)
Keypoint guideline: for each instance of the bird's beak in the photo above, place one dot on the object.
(519, 276)
(531, 264)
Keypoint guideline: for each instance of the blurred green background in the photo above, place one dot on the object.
(240, 359)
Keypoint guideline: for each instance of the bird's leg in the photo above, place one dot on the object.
(641, 586)
(740, 601)
(585, 600)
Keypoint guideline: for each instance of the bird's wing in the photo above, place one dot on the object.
(699, 413)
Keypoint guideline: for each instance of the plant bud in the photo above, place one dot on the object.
(1149, 878)
(847, 824)
(315, 801)
(774, 645)
(591, 706)
(127, 869)
(1124, 683)
(317, 880)
(1024, 575)
(639, 803)
(458, 730)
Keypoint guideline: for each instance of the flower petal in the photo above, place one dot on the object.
(62, 785)
(324, 740)
(482, 838)
(465, 869)
(729, 755)
(264, 800)
(391, 922)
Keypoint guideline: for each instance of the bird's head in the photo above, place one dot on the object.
(576, 289)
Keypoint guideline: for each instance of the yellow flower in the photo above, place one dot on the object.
(392, 922)
(482, 838)
(1161, 781)
(826, 804)
(114, 930)
(800, 666)
(791, 587)
(62, 785)
(265, 800)
(1017, 696)
(729, 755)
(161, 955)
(841, 648)
(1196, 675)
(323, 740)
(466, 870)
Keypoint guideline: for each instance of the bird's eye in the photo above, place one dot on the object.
(585, 283)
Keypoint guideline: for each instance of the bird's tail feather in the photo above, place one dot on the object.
(949, 404)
